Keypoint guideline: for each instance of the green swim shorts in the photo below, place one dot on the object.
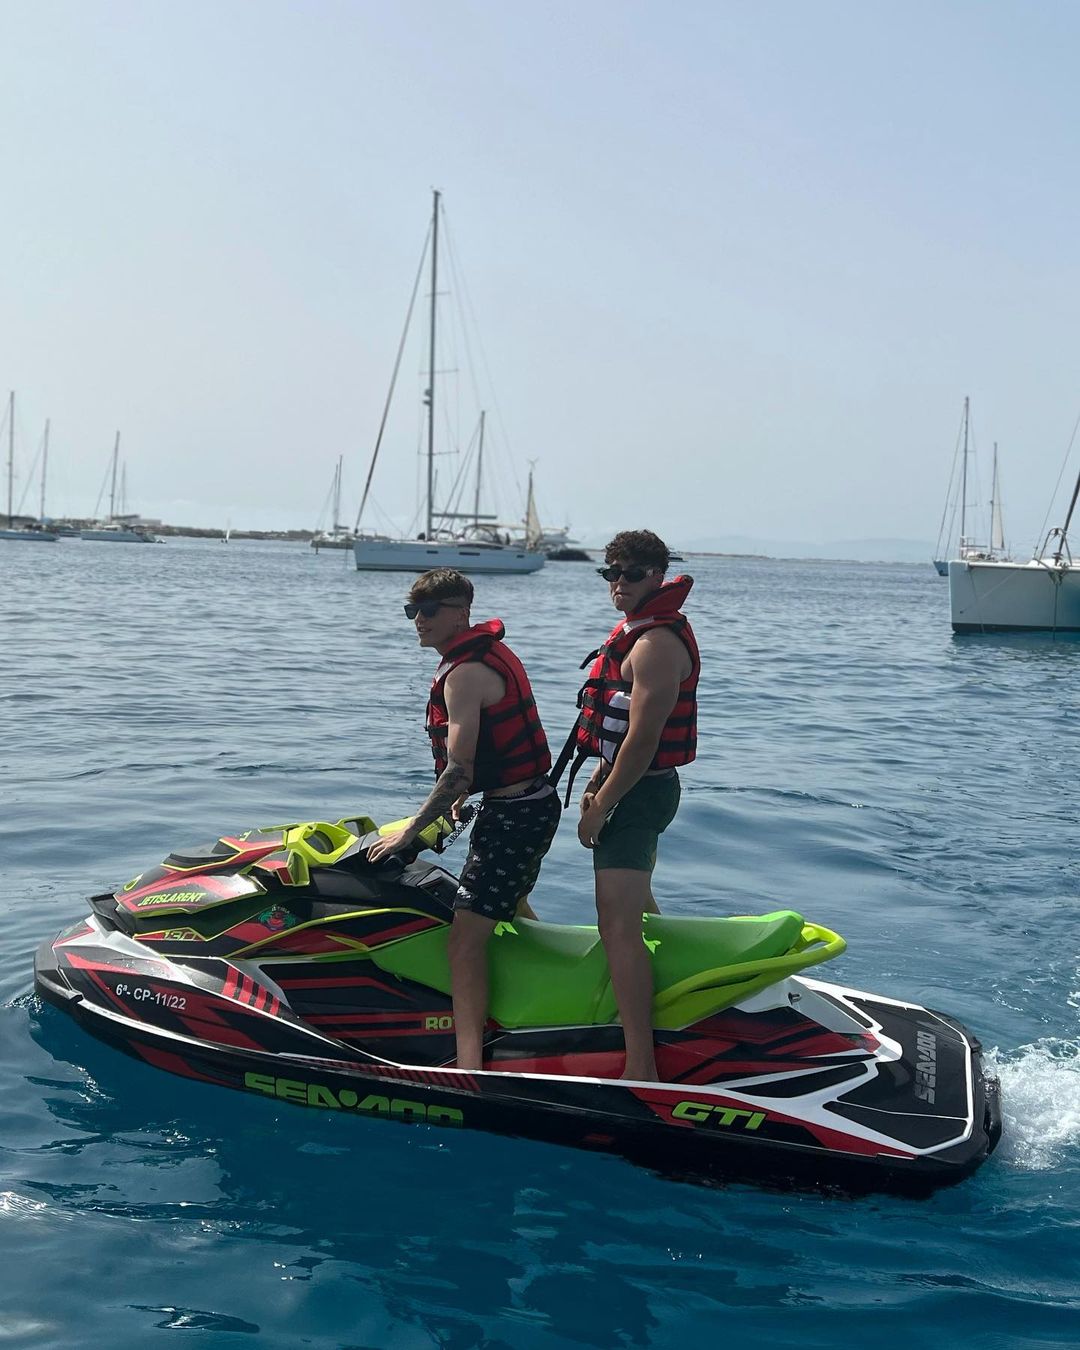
(630, 836)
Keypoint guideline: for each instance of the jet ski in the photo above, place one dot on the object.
(284, 963)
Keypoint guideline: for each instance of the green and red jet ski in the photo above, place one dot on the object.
(282, 962)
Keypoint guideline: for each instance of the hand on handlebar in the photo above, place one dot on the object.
(391, 843)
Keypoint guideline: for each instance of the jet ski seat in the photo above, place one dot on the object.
(546, 974)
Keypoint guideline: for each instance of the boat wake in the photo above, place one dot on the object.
(1040, 1099)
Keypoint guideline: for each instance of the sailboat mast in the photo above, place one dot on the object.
(431, 361)
(112, 489)
(11, 461)
(337, 497)
(44, 469)
(1068, 521)
(963, 483)
(997, 525)
(479, 469)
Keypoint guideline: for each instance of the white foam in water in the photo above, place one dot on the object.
(1040, 1101)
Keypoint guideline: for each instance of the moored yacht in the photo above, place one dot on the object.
(476, 548)
(968, 548)
(338, 535)
(989, 595)
(27, 531)
(122, 528)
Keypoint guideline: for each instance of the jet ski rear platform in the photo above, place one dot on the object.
(284, 964)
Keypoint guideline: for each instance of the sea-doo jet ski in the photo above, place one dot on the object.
(283, 962)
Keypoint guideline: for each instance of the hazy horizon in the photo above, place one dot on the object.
(734, 266)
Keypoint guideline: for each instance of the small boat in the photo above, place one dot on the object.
(480, 548)
(122, 528)
(29, 531)
(284, 963)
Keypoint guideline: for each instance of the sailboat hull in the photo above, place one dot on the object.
(420, 555)
(120, 536)
(33, 536)
(1000, 597)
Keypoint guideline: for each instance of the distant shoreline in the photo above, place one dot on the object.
(305, 536)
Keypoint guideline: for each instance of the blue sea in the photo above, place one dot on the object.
(915, 791)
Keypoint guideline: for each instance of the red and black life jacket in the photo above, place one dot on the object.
(510, 744)
(604, 698)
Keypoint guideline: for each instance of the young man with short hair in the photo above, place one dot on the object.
(639, 715)
(486, 736)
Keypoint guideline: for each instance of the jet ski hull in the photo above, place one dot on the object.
(806, 1083)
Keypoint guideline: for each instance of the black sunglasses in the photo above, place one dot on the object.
(632, 573)
(428, 608)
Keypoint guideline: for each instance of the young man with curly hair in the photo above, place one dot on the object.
(639, 716)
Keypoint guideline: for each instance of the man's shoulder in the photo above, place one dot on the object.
(475, 681)
(657, 649)
(660, 637)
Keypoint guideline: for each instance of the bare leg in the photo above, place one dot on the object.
(467, 951)
(622, 896)
(524, 909)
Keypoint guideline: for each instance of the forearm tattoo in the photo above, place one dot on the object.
(454, 780)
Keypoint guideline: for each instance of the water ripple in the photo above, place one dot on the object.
(858, 763)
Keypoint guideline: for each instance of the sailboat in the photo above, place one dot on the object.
(990, 595)
(32, 532)
(967, 545)
(118, 529)
(556, 545)
(479, 550)
(338, 535)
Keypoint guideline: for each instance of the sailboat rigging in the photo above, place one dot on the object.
(467, 550)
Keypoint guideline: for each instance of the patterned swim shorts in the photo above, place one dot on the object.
(509, 840)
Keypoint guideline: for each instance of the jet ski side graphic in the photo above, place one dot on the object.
(284, 964)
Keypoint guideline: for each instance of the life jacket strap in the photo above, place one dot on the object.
(570, 751)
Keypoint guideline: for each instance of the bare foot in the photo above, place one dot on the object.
(645, 1073)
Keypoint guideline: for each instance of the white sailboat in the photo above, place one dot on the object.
(993, 595)
(967, 546)
(31, 531)
(478, 550)
(556, 544)
(338, 535)
(118, 529)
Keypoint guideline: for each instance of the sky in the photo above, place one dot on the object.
(734, 266)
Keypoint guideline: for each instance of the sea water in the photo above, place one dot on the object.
(915, 791)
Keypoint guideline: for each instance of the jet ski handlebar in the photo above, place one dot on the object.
(320, 843)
